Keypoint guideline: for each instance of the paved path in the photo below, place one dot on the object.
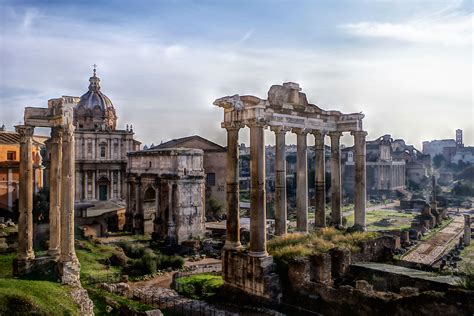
(429, 251)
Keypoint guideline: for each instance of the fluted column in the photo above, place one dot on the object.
(25, 206)
(336, 214)
(301, 180)
(320, 184)
(280, 181)
(360, 179)
(232, 184)
(68, 252)
(258, 231)
(55, 192)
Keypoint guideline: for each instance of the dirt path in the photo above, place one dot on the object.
(429, 251)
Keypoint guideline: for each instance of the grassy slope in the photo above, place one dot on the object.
(373, 220)
(90, 258)
(24, 296)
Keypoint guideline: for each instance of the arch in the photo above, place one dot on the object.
(149, 195)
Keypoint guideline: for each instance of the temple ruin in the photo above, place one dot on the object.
(59, 117)
(285, 110)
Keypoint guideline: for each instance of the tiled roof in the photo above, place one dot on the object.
(174, 143)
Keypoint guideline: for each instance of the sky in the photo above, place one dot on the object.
(406, 64)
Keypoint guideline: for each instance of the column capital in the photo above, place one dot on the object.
(335, 134)
(257, 122)
(300, 131)
(67, 132)
(359, 133)
(233, 125)
(56, 135)
(25, 132)
(280, 129)
(319, 139)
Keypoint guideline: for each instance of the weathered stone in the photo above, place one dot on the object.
(409, 291)
(364, 286)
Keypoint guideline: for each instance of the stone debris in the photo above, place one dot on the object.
(81, 298)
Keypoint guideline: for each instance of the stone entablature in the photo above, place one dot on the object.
(166, 189)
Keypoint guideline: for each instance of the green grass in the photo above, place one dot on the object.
(19, 297)
(375, 220)
(199, 286)
(8, 230)
(291, 246)
(6, 265)
(92, 258)
(100, 298)
(467, 255)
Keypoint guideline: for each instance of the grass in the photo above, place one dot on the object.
(384, 220)
(467, 278)
(8, 230)
(296, 245)
(102, 297)
(93, 257)
(199, 286)
(6, 264)
(467, 255)
(35, 297)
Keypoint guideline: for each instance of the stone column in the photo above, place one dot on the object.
(68, 252)
(86, 184)
(232, 183)
(301, 180)
(25, 206)
(93, 185)
(258, 229)
(467, 229)
(280, 181)
(320, 183)
(359, 181)
(336, 214)
(55, 192)
(119, 184)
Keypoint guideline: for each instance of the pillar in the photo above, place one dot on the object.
(25, 206)
(55, 192)
(232, 184)
(258, 230)
(68, 252)
(467, 229)
(360, 179)
(320, 184)
(280, 181)
(94, 193)
(301, 181)
(85, 185)
(336, 214)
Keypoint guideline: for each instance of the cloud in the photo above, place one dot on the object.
(448, 26)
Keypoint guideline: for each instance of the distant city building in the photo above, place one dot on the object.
(448, 148)
(459, 141)
(214, 161)
(10, 166)
(464, 154)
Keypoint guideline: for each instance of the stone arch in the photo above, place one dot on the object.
(149, 209)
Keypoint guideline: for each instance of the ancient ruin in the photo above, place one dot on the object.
(285, 110)
(59, 117)
(166, 193)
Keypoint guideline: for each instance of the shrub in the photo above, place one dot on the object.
(199, 286)
(132, 249)
(467, 278)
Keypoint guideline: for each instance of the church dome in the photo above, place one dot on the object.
(95, 111)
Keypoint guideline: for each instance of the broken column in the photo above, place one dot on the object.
(55, 192)
(320, 209)
(258, 229)
(336, 214)
(301, 180)
(25, 205)
(232, 184)
(360, 179)
(467, 229)
(280, 181)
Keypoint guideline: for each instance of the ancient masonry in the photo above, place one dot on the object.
(285, 110)
(166, 193)
(59, 117)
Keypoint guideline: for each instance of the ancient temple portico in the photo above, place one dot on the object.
(58, 117)
(286, 109)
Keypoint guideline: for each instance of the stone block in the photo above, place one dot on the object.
(299, 272)
(321, 268)
(409, 291)
(364, 286)
(340, 261)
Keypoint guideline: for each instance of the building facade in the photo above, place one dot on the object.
(166, 190)
(214, 162)
(10, 163)
(101, 148)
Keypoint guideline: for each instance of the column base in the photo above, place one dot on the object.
(69, 272)
(232, 245)
(54, 253)
(23, 267)
(359, 228)
(258, 254)
(252, 275)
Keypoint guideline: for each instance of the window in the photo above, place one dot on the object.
(102, 151)
(89, 148)
(211, 179)
(11, 155)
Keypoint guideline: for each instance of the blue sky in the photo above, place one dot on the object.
(406, 64)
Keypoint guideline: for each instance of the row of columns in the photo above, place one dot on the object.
(61, 213)
(257, 195)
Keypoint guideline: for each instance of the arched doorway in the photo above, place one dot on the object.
(149, 210)
(103, 186)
